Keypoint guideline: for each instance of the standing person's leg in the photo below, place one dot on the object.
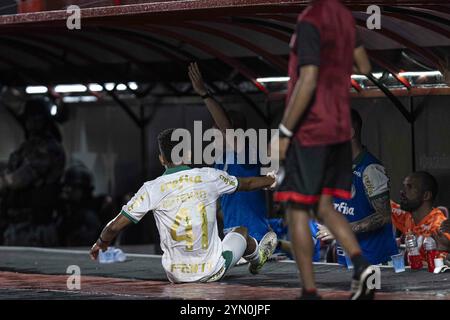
(337, 183)
(302, 248)
(338, 225)
(343, 233)
(300, 191)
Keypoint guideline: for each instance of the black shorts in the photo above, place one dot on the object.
(314, 171)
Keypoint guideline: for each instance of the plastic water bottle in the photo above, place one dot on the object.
(432, 253)
(106, 256)
(111, 255)
(412, 247)
(119, 255)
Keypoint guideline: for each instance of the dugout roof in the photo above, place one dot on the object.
(238, 41)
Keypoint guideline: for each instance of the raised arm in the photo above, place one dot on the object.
(215, 109)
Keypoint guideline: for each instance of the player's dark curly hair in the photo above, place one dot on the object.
(166, 144)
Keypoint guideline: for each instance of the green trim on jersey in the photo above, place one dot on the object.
(237, 187)
(176, 169)
(127, 215)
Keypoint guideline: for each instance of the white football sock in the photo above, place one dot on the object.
(253, 258)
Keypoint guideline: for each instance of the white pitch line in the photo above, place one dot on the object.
(337, 264)
(46, 250)
(138, 255)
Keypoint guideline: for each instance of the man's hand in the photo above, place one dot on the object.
(273, 175)
(99, 245)
(110, 231)
(324, 234)
(196, 79)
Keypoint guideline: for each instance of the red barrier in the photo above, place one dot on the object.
(26, 6)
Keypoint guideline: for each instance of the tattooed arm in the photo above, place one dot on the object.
(376, 187)
(379, 218)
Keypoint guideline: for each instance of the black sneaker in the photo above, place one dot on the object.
(310, 296)
(360, 290)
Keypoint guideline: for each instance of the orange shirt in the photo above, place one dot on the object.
(404, 221)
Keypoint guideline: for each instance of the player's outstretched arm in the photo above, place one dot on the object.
(108, 234)
(255, 183)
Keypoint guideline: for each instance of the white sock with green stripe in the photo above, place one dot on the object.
(253, 258)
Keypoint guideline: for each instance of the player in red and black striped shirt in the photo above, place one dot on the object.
(315, 135)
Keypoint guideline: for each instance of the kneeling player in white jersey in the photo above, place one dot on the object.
(183, 201)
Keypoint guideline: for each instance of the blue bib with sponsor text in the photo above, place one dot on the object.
(246, 209)
(378, 245)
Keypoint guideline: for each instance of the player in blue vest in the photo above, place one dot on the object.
(368, 211)
(245, 209)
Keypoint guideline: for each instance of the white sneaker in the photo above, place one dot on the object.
(266, 247)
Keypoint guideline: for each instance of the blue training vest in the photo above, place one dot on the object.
(378, 245)
(246, 209)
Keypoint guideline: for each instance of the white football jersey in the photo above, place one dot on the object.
(183, 201)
